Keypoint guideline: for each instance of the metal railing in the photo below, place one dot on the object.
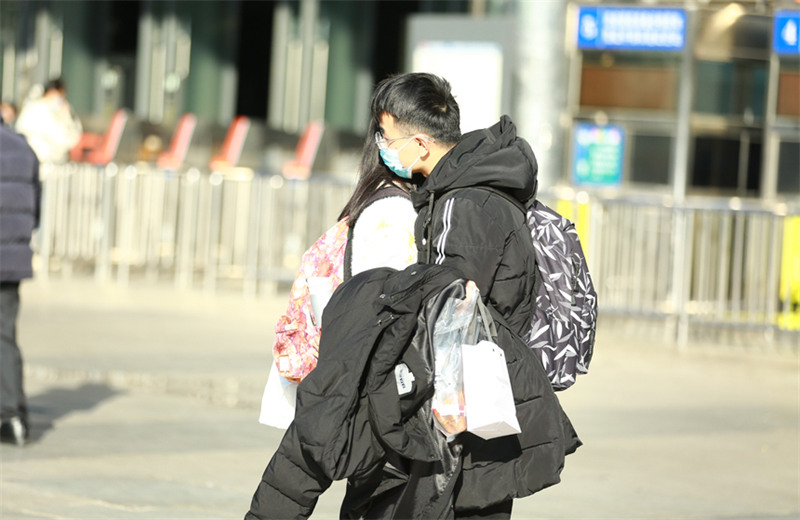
(737, 263)
(231, 228)
(710, 261)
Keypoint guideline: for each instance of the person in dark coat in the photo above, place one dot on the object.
(20, 196)
(476, 231)
(465, 221)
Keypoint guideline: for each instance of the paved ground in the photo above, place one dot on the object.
(145, 404)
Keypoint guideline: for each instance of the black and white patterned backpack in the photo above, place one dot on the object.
(563, 326)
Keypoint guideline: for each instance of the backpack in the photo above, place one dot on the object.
(565, 318)
(296, 346)
(562, 330)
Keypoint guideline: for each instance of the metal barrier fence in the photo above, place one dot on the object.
(230, 229)
(721, 263)
(716, 262)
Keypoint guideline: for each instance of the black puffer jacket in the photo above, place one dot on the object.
(367, 325)
(350, 421)
(478, 232)
(20, 194)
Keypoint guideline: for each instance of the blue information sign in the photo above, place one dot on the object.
(629, 28)
(786, 32)
(597, 152)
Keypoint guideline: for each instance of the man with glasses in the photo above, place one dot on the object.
(466, 221)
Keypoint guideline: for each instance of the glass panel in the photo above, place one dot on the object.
(717, 81)
(729, 33)
(717, 164)
(731, 88)
(650, 159)
(789, 167)
(81, 51)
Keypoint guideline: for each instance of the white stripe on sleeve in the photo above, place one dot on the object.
(446, 218)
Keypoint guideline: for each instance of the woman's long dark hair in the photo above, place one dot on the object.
(372, 175)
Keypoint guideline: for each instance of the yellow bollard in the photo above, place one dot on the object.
(789, 317)
(579, 212)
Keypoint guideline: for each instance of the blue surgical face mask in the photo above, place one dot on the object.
(391, 158)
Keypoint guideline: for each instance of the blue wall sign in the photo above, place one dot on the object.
(786, 32)
(627, 28)
(597, 153)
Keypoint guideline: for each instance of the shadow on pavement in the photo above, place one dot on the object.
(46, 408)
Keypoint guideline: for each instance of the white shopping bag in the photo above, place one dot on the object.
(278, 401)
(488, 399)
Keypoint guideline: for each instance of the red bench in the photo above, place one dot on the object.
(101, 149)
(305, 153)
(174, 157)
(232, 146)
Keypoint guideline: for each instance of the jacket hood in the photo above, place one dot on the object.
(493, 157)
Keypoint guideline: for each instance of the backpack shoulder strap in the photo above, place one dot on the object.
(432, 200)
(347, 272)
(506, 196)
(387, 190)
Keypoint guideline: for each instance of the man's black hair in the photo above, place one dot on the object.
(55, 84)
(420, 102)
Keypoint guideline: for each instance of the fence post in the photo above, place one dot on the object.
(102, 270)
(773, 279)
(251, 274)
(212, 244)
(187, 229)
(272, 240)
(45, 234)
(128, 214)
(681, 275)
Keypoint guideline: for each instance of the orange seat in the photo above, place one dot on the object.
(232, 146)
(173, 158)
(101, 149)
(305, 153)
(88, 141)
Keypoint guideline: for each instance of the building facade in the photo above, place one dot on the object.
(718, 114)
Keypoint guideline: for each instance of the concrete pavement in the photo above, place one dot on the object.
(145, 401)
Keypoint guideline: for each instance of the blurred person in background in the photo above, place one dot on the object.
(20, 196)
(8, 113)
(49, 123)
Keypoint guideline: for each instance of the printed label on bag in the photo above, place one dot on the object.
(404, 378)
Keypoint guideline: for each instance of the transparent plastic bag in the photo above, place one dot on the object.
(458, 323)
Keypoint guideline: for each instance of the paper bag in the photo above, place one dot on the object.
(278, 401)
(488, 398)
